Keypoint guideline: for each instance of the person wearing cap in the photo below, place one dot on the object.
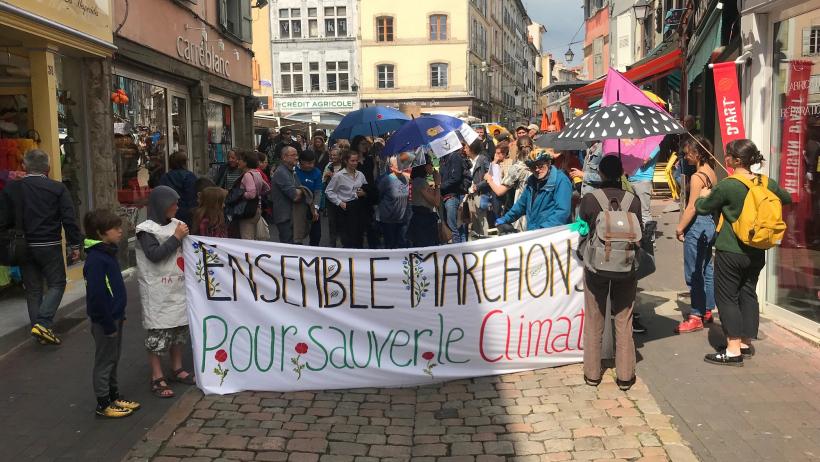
(532, 131)
(520, 131)
(547, 199)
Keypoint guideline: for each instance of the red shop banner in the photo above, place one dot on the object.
(727, 95)
(794, 116)
(794, 119)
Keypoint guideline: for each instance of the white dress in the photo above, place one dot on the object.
(162, 284)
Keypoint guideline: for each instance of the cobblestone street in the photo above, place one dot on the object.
(544, 415)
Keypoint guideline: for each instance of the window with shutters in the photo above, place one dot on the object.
(335, 21)
(438, 27)
(384, 29)
(438, 75)
(811, 41)
(338, 76)
(235, 18)
(290, 23)
(385, 75)
(291, 78)
(598, 57)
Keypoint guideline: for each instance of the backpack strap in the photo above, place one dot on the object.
(602, 199)
(706, 181)
(626, 202)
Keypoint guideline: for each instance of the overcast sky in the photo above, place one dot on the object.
(562, 18)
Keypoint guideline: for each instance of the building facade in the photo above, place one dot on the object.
(779, 69)
(596, 38)
(314, 61)
(55, 98)
(184, 87)
(471, 58)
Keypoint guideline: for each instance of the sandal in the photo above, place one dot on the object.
(188, 380)
(160, 388)
(592, 383)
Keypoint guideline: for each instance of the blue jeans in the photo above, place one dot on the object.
(697, 263)
(451, 212)
(44, 264)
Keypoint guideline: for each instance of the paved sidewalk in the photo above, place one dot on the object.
(544, 415)
(47, 403)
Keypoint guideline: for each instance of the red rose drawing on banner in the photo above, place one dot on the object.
(301, 349)
(221, 356)
(428, 356)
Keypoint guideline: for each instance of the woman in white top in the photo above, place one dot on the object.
(345, 191)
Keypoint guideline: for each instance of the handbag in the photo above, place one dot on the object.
(444, 233)
(13, 245)
(237, 206)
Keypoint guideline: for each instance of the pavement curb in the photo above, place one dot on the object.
(65, 320)
(163, 430)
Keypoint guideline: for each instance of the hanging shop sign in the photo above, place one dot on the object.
(316, 104)
(203, 55)
(727, 95)
(275, 317)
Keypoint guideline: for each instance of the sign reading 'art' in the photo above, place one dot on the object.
(267, 316)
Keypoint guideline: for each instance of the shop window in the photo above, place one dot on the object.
(438, 27)
(385, 75)
(235, 18)
(384, 29)
(314, 77)
(140, 137)
(438, 75)
(292, 79)
(290, 23)
(335, 21)
(220, 133)
(793, 268)
(337, 76)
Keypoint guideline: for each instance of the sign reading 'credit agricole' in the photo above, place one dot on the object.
(200, 54)
(325, 104)
(267, 316)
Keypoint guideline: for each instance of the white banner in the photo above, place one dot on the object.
(267, 316)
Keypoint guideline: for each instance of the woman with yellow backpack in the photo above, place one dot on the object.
(752, 205)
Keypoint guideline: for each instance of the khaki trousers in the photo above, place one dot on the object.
(597, 290)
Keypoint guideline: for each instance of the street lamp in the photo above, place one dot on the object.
(641, 8)
(569, 55)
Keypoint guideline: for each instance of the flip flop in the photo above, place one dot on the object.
(189, 380)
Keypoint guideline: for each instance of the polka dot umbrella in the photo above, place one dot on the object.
(621, 121)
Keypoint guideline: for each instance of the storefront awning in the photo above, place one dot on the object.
(649, 70)
(703, 45)
(564, 87)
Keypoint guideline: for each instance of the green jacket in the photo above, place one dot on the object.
(727, 198)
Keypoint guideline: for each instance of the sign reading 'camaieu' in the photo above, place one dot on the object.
(267, 316)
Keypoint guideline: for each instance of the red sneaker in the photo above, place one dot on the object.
(690, 325)
(707, 318)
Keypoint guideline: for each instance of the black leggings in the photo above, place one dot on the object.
(735, 292)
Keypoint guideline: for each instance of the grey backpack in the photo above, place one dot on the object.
(611, 251)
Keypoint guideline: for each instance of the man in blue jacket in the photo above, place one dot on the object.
(546, 201)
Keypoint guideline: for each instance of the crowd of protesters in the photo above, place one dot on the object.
(496, 184)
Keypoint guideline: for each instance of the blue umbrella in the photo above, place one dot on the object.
(370, 121)
(441, 133)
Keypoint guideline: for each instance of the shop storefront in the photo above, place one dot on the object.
(50, 89)
(789, 130)
(185, 88)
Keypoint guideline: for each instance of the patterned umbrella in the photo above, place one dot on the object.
(621, 121)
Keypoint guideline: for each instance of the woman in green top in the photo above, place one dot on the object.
(737, 266)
